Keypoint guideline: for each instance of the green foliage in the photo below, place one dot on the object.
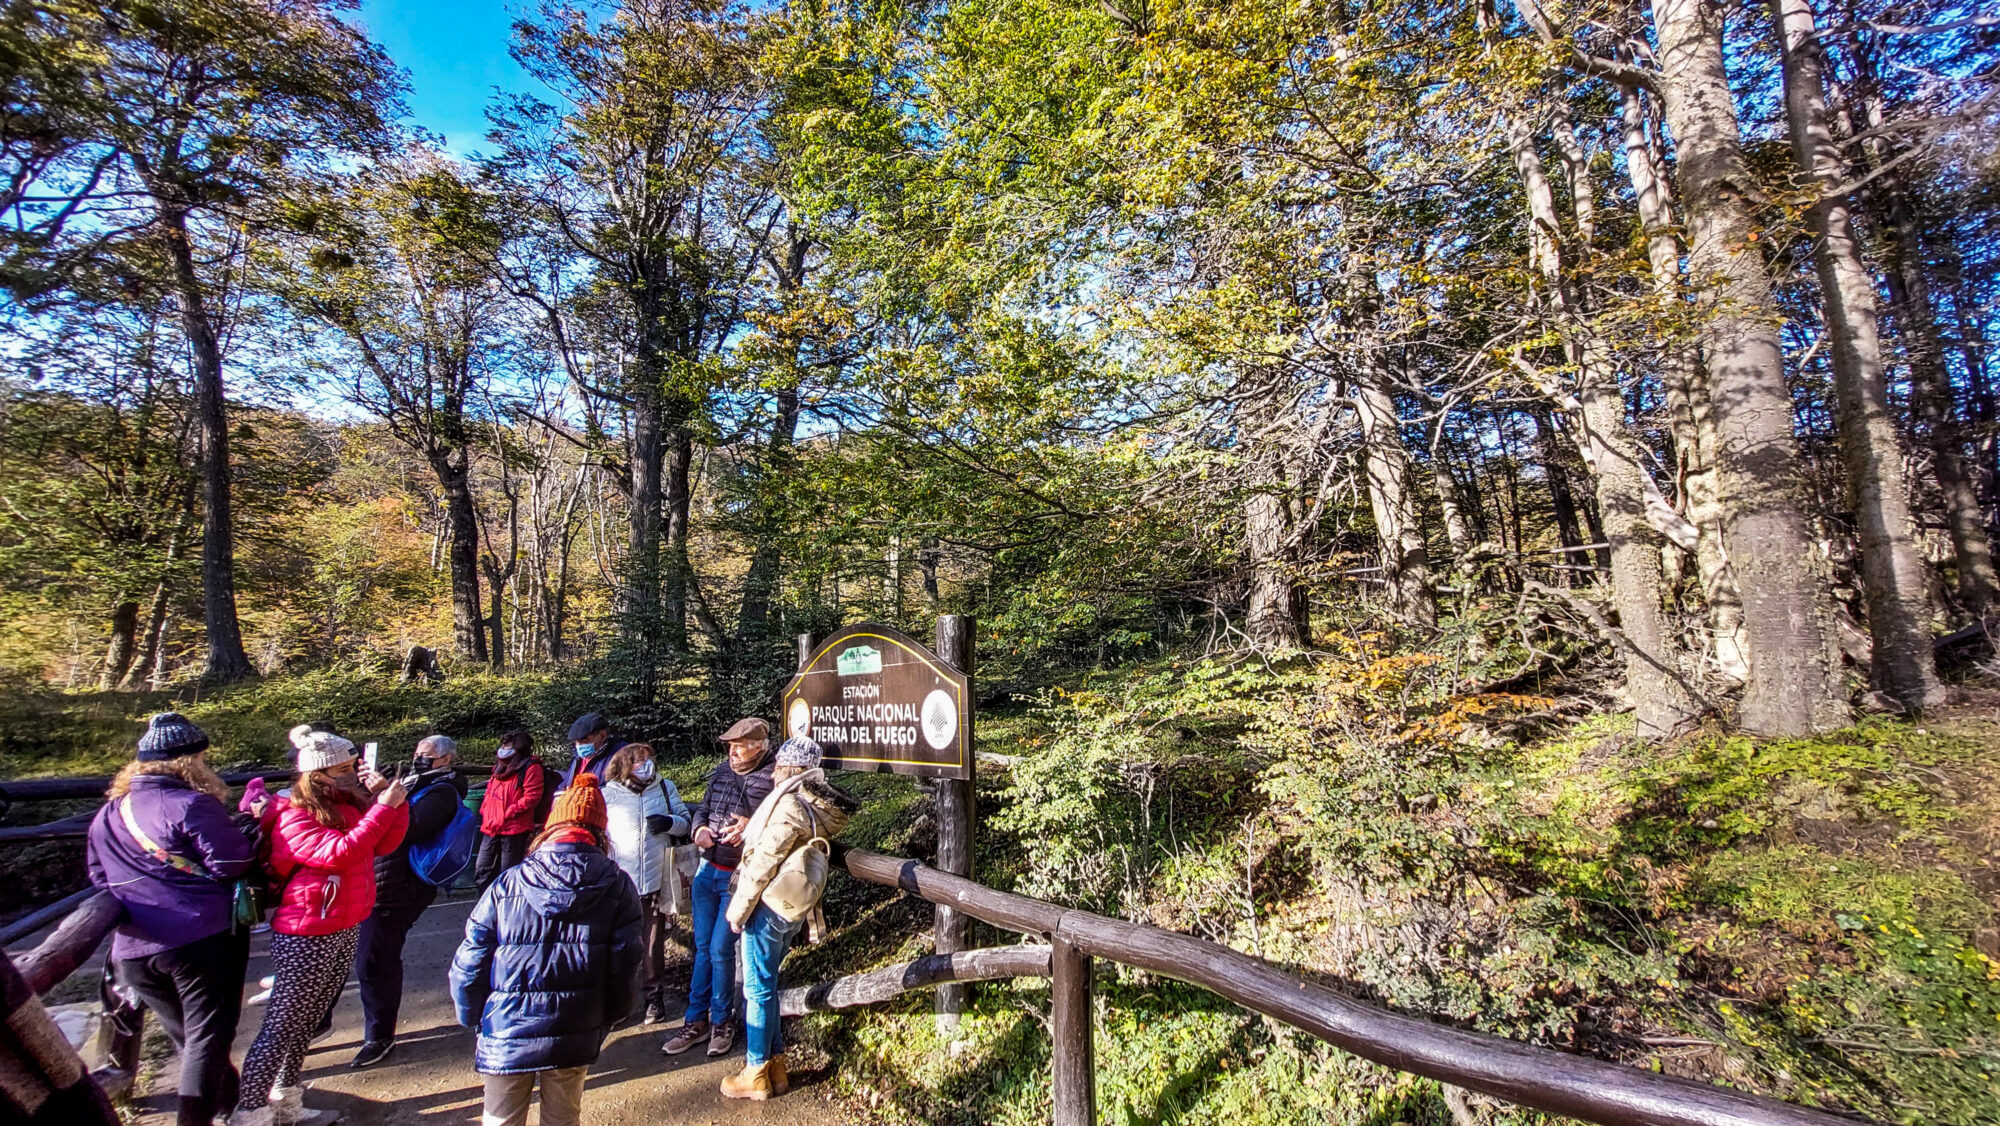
(1805, 905)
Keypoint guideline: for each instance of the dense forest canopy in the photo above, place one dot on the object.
(1651, 337)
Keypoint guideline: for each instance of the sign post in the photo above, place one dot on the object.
(955, 815)
(875, 699)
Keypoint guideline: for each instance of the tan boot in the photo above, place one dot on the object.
(780, 1081)
(753, 1082)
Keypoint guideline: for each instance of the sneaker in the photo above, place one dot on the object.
(723, 1039)
(263, 993)
(687, 1037)
(372, 1053)
(656, 1013)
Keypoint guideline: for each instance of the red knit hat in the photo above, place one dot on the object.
(581, 804)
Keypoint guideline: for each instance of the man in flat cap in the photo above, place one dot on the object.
(736, 787)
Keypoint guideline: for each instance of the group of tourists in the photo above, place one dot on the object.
(580, 870)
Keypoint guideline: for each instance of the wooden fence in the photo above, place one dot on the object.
(1558, 1082)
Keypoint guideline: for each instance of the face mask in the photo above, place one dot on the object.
(644, 771)
(506, 752)
(583, 750)
(424, 762)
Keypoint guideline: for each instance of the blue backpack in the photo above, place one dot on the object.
(441, 860)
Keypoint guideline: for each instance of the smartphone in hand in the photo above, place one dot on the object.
(370, 752)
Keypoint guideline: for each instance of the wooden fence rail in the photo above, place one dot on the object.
(1558, 1082)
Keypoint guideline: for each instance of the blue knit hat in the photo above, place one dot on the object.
(170, 735)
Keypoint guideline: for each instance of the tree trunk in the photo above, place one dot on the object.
(1794, 687)
(468, 624)
(1933, 402)
(496, 585)
(1892, 572)
(760, 580)
(1971, 348)
(1273, 621)
(1568, 533)
(1661, 704)
(678, 570)
(124, 643)
(149, 647)
(1406, 567)
(147, 666)
(644, 623)
(1691, 419)
(928, 556)
(227, 660)
(1455, 531)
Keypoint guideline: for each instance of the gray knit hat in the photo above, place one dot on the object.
(799, 751)
(171, 735)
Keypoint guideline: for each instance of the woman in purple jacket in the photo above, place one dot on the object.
(165, 847)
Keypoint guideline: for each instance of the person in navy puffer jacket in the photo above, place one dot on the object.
(550, 962)
(165, 847)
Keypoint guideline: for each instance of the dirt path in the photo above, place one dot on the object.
(429, 1079)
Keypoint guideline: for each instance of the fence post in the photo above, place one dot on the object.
(1075, 1055)
(955, 814)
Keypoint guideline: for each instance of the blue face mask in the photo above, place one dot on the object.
(643, 771)
(583, 750)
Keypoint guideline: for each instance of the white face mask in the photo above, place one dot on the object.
(643, 771)
(506, 752)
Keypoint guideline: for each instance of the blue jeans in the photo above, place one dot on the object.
(714, 983)
(765, 941)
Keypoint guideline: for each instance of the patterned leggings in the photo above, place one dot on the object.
(310, 970)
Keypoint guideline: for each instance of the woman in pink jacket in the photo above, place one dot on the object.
(323, 846)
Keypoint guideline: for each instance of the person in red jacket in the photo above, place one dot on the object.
(512, 810)
(323, 846)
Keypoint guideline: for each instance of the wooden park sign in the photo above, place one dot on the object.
(874, 699)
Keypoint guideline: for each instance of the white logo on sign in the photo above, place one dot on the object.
(940, 719)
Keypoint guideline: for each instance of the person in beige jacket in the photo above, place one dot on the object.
(802, 806)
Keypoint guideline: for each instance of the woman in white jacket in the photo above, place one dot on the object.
(644, 810)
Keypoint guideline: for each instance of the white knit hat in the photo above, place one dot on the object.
(319, 750)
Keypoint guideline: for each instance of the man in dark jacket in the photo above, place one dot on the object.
(550, 962)
(165, 847)
(593, 743)
(736, 788)
(401, 896)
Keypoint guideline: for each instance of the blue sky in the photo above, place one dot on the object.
(456, 53)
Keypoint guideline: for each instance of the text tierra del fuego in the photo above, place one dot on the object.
(877, 700)
(865, 718)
